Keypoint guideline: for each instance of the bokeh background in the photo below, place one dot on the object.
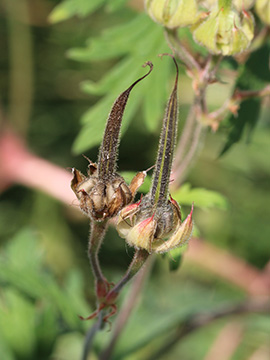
(46, 91)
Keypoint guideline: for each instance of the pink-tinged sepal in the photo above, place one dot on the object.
(126, 219)
(141, 235)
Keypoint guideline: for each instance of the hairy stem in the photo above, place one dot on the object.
(139, 259)
(97, 233)
(89, 338)
(128, 307)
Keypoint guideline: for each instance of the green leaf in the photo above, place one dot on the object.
(116, 41)
(175, 257)
(140, 40)
(66, 9)
(18, 270)
(17, 322)
(110, 82)
(202, 198)
(115, 5)
(252, 77)
(95, 119)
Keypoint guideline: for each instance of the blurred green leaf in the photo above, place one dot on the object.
(17, 322)
(159, 314)
(202, 198)
(5, 350)
(253, 75)
(68, 8)
(118, 40)
(16, 270)
(115, 5)
(140, 40)
(175, 257)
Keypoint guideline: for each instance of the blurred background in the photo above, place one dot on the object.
(50, 64)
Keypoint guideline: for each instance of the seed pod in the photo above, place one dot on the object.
(154, 223)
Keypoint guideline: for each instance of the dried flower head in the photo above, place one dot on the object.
(103, 193)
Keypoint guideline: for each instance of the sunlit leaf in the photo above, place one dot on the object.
(202, 198)
(67, 9)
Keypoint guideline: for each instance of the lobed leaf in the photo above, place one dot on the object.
(69, 8)
(202, 198)
(251, 77)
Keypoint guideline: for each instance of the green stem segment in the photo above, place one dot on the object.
(98, 230)
(139, 259)
(161, 177)
(108, 149)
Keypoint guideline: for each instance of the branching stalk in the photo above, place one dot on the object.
(139, 259)
(195, 322)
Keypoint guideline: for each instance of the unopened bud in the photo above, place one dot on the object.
(262, 8)
(172, 13)
(225, 31)
(243, 4)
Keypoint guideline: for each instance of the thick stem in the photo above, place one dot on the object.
(128, 307)
(97, 233)
(139, 259)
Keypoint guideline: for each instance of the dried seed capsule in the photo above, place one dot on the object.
(104, 193)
